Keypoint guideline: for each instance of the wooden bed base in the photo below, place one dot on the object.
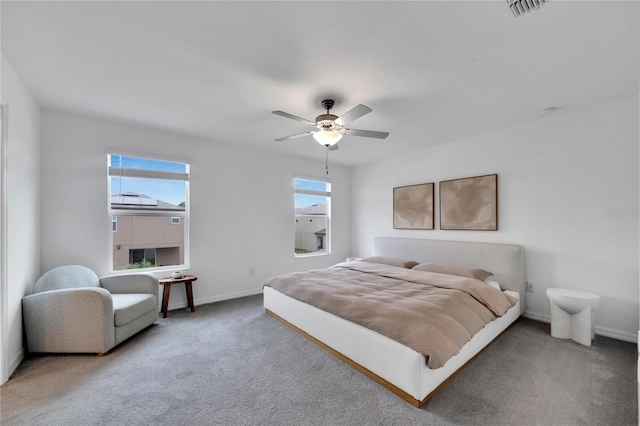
(396, 390)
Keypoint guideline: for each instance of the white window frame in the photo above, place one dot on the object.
(327, 216)
(148, 174)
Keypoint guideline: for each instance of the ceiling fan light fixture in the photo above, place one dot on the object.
(327, 137)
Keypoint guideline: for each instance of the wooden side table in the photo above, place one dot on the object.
(168, 282)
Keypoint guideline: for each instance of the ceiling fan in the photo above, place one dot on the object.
(330, 128)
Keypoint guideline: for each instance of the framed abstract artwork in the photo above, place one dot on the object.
(469, 203)
(413, 207)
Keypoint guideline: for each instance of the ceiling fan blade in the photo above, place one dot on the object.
(353, 114)
(333, 147)
(293, 117)
(365, 133)
(299, 135)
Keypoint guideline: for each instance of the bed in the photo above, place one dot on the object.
(396, 366)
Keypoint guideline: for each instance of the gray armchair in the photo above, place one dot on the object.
(72, 310)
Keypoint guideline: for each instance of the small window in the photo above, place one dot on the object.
(175, 221)
(142, 258)
(312, 217)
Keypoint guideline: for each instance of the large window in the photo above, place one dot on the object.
(312, 217)
(149, 211)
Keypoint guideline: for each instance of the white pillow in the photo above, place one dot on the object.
(493, 284)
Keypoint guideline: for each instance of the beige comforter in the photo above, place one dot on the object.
(434, 314)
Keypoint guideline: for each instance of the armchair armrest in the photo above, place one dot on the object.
(144, 282)
(69, 320)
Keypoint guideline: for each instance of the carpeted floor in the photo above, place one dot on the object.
(231, 364)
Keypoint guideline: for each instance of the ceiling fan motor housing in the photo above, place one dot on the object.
(326, 121)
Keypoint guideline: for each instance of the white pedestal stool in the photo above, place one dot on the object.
(572, 314)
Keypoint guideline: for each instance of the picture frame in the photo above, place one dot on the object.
(469, 204)
(413, 207)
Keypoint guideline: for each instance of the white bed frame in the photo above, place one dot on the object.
(395, 366)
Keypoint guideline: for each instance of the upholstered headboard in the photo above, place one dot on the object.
(506, 261)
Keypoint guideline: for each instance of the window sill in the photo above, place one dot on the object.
(314, 254)
(172, 268)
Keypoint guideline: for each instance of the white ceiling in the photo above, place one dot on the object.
(431, 71)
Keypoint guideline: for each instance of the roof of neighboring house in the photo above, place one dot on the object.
(323, 231)
(134, 201)
(319, 209)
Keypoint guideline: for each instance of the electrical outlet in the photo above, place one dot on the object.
(252, 271)
(531, 287)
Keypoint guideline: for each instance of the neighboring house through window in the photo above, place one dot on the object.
(149, 209)
(312, 217)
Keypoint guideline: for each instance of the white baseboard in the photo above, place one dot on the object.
(616, 334)
(15, 363)
(537, 317)
(625, 336)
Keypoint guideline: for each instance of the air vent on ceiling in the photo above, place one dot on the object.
(518, 7)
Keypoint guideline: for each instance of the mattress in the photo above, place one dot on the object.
(433, 313)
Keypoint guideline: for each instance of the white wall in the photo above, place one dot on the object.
(21, 213)
(558, 177)
(242, 212)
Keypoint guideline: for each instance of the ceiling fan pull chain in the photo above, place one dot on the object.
(326, 163)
